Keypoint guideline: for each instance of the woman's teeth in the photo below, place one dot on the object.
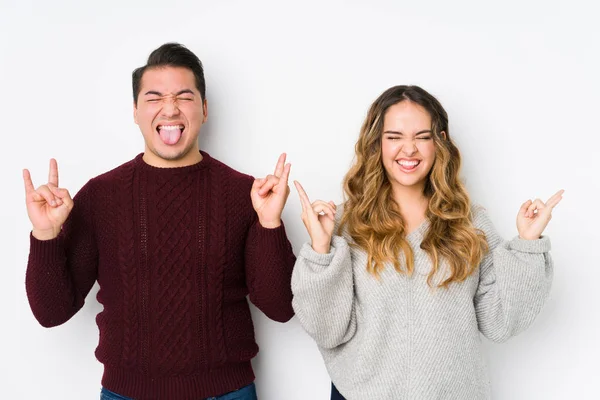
(408, 164)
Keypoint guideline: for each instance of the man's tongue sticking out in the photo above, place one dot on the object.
(170, 134)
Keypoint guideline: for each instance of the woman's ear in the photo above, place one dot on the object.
(443, 135)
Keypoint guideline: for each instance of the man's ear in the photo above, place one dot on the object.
(135, 113)
(205, 111)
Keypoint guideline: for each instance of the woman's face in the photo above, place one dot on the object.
(407, 146)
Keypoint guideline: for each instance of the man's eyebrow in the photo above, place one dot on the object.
(155, 93)
(188, 91)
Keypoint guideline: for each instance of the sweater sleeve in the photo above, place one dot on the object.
(323, 287)
(269, 262)
(514, 282)
(61, 271)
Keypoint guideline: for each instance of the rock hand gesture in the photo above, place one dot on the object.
(319, 220)
(533, 217)
(48, 206)
(269, 194)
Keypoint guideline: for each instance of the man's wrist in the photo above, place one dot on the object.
(270, 224)
(47, 234)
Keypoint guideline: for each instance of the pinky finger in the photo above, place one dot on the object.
(554, 200)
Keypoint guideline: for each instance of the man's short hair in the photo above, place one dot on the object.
(171, 55)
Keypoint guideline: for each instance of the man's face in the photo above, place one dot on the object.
(170, 113)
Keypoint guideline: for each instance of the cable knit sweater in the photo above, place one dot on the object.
(396, 337)
(175, 252)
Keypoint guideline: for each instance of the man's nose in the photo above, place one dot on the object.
(170, 108)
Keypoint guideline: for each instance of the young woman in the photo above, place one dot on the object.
(397, 283)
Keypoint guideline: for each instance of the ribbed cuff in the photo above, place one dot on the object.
(311, 255)
(273, 236)
(46, 251)
(541, 245)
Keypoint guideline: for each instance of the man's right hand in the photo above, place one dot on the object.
(48, 206)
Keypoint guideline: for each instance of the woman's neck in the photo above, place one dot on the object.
(413, 205)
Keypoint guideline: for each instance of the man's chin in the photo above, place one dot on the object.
(170, 156)
(175, 154)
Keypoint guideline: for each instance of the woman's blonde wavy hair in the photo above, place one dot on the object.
(372, 217)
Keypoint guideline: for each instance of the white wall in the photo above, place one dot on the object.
(518, 78)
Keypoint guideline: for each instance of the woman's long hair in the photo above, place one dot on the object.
(372, 217)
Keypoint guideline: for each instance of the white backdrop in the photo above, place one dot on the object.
(518, 78)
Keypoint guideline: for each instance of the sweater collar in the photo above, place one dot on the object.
(417, 236)
(206, 162)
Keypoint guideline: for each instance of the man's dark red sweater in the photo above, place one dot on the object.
(175, 252)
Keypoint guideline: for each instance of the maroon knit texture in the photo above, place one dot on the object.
(176, 252)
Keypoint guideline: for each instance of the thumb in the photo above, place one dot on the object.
(64, 195)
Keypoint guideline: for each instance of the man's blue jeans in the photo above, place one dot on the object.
(245, 393)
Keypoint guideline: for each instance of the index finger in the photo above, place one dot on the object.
(555, 199)
(53, 173)
(280, 165)
(304, 201)
(28, 183)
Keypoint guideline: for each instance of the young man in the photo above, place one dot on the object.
(176, 241)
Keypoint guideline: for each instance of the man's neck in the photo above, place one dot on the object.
(193, 157)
